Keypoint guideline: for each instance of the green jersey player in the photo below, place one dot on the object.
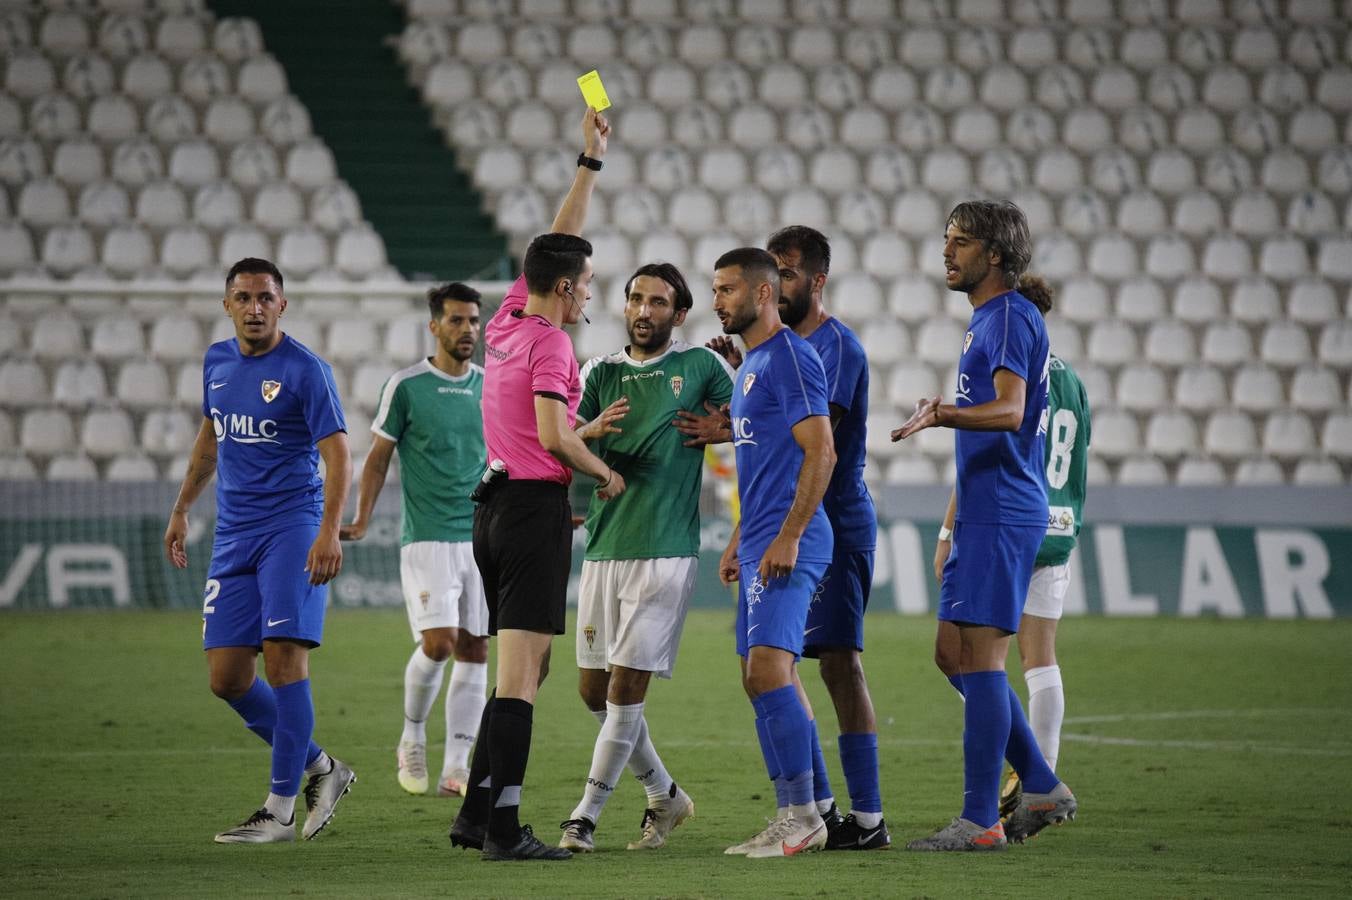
(1067, 461)
(430, 412)
(642, 547)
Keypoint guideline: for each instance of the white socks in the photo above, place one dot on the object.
(614, 745)
(465, 700)
(283, 809)
(647, 766)
(1046, 709)
(422, 681)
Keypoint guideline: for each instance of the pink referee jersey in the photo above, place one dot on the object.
(524, 357)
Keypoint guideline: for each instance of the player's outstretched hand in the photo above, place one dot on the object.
(779, 558)
(715, 428)
(729, 570)
(724, 347)
(595, 133)
(176, 540)
(325, 559)
(353, 532)
(604, 424)
(926, 415)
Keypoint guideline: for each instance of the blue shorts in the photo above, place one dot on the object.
(836, 616)
(987, 574)
(773, 613)
(257, 588)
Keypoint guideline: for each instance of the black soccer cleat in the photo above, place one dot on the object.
(833, 818)
(850, 835)
(528, 847)
(465, 833)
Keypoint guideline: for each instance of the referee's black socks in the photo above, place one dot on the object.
(509, 734)
(477, 800)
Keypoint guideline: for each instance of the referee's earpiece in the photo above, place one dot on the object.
(568, 289)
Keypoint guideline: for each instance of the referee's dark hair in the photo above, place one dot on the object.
(551, 257)
(252, 265)
(1037, 290)
(757, 265)
(455, 290)
(671, 275)
(814, 250)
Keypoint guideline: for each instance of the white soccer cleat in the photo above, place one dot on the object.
(260, 828)
(790, 837)
(412, 759)
(661, 817)
(577, 835)
(322, 793)
(454, 783)
(756, 840)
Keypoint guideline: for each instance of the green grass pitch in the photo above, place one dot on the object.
(1211, 758)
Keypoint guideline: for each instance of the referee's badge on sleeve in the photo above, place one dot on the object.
(270, 389)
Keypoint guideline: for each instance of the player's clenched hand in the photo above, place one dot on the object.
(724, 347)
(325, 559)
(595, 133)
(779, 558)
(729, 570)
(941, 559)
(604, 424)
(176, 539)
(353, 532)
(613, 488)
(715, 428)
(926, 415)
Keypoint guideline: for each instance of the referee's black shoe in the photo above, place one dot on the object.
(528, 847)
(465, 833)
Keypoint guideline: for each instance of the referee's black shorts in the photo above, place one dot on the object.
(523, 545)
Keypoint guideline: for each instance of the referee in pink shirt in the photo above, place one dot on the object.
(523, 529)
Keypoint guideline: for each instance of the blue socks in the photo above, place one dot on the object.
(859, 759)
(986, 719)
(771, 761)
(258, 709)
(789, 741)
(821, 785)
(1023, 752)
(295, 714)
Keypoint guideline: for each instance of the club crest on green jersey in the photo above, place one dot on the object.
(677, 382)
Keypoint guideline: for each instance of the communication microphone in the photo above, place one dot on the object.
(569, 292)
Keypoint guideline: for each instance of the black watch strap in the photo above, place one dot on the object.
(585, 160)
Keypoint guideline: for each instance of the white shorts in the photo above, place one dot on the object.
(630, 612)
(1047, 591)
(442, 587)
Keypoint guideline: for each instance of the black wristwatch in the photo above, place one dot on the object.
(584, 160)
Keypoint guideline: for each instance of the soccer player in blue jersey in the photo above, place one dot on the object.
(834, 633)
(996, 520)
(270, 414)
(781, 431)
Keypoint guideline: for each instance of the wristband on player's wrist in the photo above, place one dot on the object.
(589, 162)
(945, 534)
(610, 473)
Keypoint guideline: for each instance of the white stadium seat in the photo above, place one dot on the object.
(176, 337)
(46, 432)
(1255, 472)
(1311, 213)
(309, 164)
(1227, 344)
(1288, 435)
(66, 249)
(1285, 345)
(1142, 470)
(1086, 130)
(1257, 388)
(127, 251)
(1227, 257)
(1140, 300)
(43, 202)
(262, 80)
(106, 433)
(278, 206)
(359, 252)
(1312, 301)
(194, 163)
(240, 241)
(137, 161)
(1171, 434)
(1141, 214)
(1200, 471)
(1169, 342)
(919, 128)
(1141, 387)
(1335, 439)
(1197, 300)
(1317, 472)
(1315, 389)
(939, 341)
(112, 118)
(78, 161)
(116, 339)
(141, 384)
(302, 250)
(79, 383)
(913, 298)
(1229, 435)
(1116, 434)
(72, 467)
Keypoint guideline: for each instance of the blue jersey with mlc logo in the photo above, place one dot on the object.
(780, 383)
(269, 411)
(848, 505)
(1000, 473)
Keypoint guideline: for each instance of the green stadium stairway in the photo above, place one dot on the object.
(342, 67)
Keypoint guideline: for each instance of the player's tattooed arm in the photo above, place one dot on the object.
(201, 466)
(604, 424)
(714, 428)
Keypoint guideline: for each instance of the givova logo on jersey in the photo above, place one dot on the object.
(243, 429)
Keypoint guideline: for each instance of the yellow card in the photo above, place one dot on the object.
(593, 91)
